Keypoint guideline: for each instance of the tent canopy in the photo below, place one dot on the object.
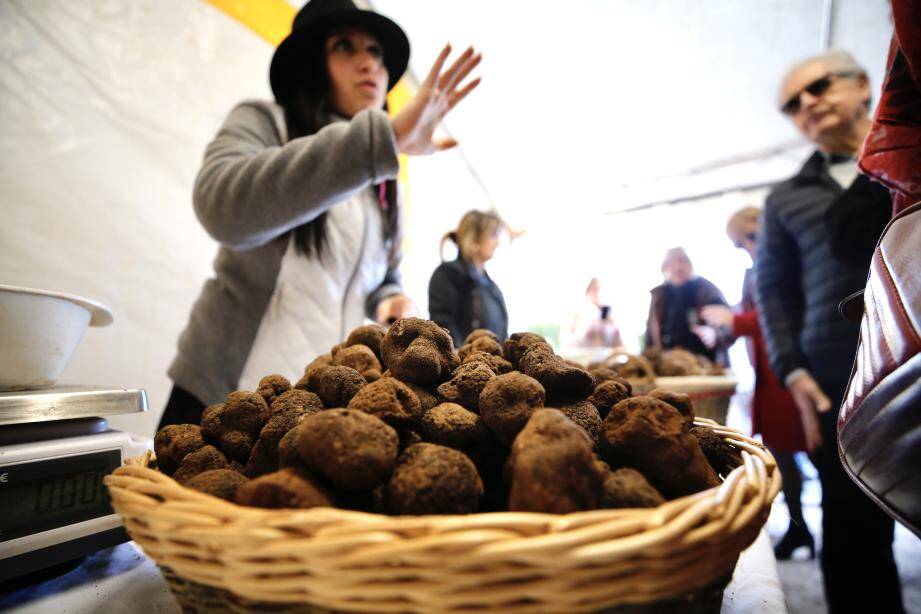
(591, 104)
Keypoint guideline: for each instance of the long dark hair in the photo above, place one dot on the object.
(307, 109)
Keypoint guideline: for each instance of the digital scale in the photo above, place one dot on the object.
(55, 449)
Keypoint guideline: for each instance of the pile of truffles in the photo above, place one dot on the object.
(679, 362)
(654, 362)
(398, 422)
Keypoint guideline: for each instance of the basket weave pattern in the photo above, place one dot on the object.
(506, 561)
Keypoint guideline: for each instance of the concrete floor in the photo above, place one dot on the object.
(802, 578)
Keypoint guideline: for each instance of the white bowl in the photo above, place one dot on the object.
(39, 331)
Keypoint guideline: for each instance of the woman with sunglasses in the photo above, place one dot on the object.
(301, 194)
(774, 413)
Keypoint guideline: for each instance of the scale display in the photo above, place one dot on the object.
(42, 495)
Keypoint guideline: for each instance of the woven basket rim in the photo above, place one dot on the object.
(305, 556)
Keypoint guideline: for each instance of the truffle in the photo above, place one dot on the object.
(607, 394)
(352, 449)
(678, 400)
(560, 380)
(271, 386)
(451, 425)
(653, 355)
(264, 457)
(552, 467)
(678, 362)
(708, 367)
(652, 437)
(433, 479)
(419, 351)
(480, 333)
(390, 400)
(323, 360)
(370, 336)
(507, 402)
(628, 488)
(287, 488)
(334, 384)
(296, 398)
(221, 483)
(288, 455)
(427, 398)
(722, 456)
(490, 345)
(637, 369)
(361, 358)
(630, 366)
(236, 423)
(466, 384)
(408, 437)
(515, 346)
(173, 442)
(585, 415)
(603, 374)
(203, 459)
(499, 365)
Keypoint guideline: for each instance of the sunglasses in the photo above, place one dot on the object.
(816, 88)
(750, 237)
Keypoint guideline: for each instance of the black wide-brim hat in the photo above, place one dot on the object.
(314, 21)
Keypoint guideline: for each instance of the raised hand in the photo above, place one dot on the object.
(717, 315)
(707, 335)
(414, 126)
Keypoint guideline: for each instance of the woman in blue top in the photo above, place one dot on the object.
(462, 296)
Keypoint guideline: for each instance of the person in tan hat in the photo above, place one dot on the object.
(300, 193)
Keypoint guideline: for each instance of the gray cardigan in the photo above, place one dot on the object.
(254, 187)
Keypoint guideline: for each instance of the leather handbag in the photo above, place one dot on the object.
(879, 426)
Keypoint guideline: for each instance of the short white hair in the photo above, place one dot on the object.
(837, 60)
(676, 253)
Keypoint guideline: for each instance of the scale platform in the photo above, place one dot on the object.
(67, 403)
(55, 450)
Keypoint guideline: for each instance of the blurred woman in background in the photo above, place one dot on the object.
(592, 326)
(774, 413)
(462, 296)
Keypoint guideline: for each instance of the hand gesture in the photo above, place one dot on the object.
(415, 124)
(707, 335)
(717, 315)
(810, 399)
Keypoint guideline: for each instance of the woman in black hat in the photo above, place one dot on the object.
(300, 193)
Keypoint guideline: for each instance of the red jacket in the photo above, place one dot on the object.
(774, 413)
(892, 149)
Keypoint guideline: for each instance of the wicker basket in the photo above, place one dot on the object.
(218, 556)
(711, 393)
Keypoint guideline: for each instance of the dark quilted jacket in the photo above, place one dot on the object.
(800, 281)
